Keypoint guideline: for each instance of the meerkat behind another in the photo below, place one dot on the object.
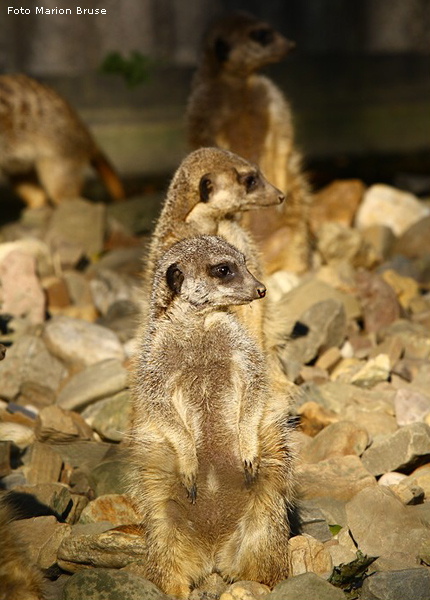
(45, 147)
(233, 107)
(211, 453)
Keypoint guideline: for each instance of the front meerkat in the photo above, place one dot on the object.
(233, 107)
(211, 462)
(45, 147)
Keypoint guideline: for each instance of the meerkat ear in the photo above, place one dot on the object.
(174, 278)
(206, 188)
(222, 49)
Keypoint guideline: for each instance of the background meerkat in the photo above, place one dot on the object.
(211, 461)
(45, 147)
(233, 107)
(19, 579)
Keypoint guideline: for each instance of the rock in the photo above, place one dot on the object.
(306, 554)
(56, 425)
(328, 359)
(312, 521)
(326, 325)
(391, 478)
(381, 238)
(109, 549)
(108, 287)
(243, 590)
(333, 510)
(336, 202)
(314, 417)
(338, 439)
(110, 417)
(379, 301)
(374, 371)
(340, 477)
(93, 383)
(115, 508)
(280, 283)
(410, 406)
(407, 584)
(392, 347)
(86, 455)
(340, 555)
(110, 584)
(45, 499)
(28, 361)
(43, 536)
(340, 397)
(44, 464)
(79, 343)
(56, 292)
(307, 585)
(414, 337)
(78, 288)
(78, 226)
(382, 526)
(385, 205)
(33, 247)
(123, 318)
(337, 243)
(414, 242)
(403, 450)
(408, 492)
(406, 288)
(108, 478)
(20, 435)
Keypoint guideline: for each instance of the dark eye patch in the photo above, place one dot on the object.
(263, 36)
(251, 182)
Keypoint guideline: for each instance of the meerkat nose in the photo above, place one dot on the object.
(261, 291)
(281, 198)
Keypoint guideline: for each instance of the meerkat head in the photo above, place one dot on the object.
(212, 184)
(205, 272)
(240, 44)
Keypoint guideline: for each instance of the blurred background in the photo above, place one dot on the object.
(358, 82)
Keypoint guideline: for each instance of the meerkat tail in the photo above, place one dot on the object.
(110, 178)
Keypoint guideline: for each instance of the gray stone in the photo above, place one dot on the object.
(415, 241)
(407, 584)
(337, 439)
(52, 497)
(110, 584)
(378, 300)
(414, 337)
(43, 464)
(115, 508)
(80, 343)
(374, 371)
(78, 225)
(93, 383)
(57, 425)
(381, 525)
(337, 243)
(313, 522)
(403, 450)
(28, 360)
(83, 454)
(108, 287)
(411, 406)
(110, 417)
(109, 478)
(123, 318)
(306, 586)
(332, 509)
(340, 554)
(340, 477)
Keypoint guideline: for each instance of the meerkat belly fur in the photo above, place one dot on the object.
(45, 147)
(211, 461)
(233, 107)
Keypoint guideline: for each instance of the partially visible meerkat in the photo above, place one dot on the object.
(19, 579)
(209, 193)
(233, 107)
(211, 470)
(45, 147)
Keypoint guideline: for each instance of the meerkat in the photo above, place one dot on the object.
(19, 578)
(45, 147)
(233, 107)
(210, 191)
(211, 468)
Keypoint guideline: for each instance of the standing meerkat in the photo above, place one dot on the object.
(211, 470)
(233, 107)
(45, 147)
(209, 193)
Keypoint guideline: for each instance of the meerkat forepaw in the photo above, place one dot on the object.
(251, 469)
(191, 488)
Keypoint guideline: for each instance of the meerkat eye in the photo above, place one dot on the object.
(263, 36)
(251, 182)
(205, 188)
(222, 271)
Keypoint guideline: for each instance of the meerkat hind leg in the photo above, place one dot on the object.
(61, 178)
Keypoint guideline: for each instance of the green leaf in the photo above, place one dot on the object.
(334, 529)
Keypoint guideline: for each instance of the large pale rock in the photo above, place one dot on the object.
(115, 508)
(385, 205)
(110, 584)
(338, 439)
(382, 526)
(110, 417)
(340, 477)
(407, 584)
(307, 585)
(80, 343)
(374, 371)
(34, 247)
(97, 381)
(240, 590)
(403, 450)
(29, 362)
(21, 294)
(306, 554)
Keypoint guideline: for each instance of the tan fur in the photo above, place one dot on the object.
(211, 470)
(233, 107)
(19, 579)
(45, 147)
